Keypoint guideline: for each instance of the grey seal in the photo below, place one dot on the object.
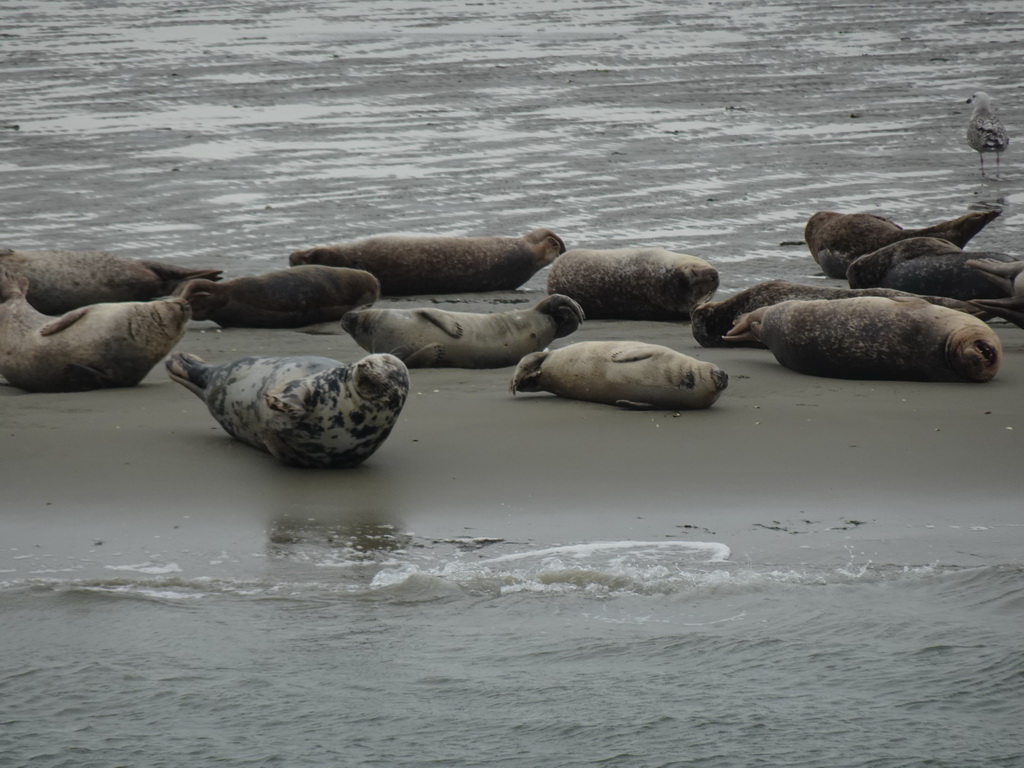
(873, 337)
(630, 374)
(433, 338)
(286, 298)
(306, 411)
(836, 239)
(415, 265)
(633, 283)
(64, 280)
(926, 265)
(93, 347)
(985, 131)
(710, 321)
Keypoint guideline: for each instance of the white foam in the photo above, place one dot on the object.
(153, 569)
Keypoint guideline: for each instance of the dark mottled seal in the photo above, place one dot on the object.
(93, 347)
(1009, 277)
(629, 374)
(306, 411)
(875, 338)
(633, 283)
(925, 265)
(64, 280)
(286, 298)
(433, 338)
(836, 239)
(410, 265)
(712, 320)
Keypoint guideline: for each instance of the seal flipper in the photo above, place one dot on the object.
(630, 357)
(527, 374)
(64, 321)
(632, 405)
(430, 356)
(1011, 308)
(191, 371)
(566, 312)
(442, 320)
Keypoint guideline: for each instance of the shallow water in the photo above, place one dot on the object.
(380, 649)
(231, 134)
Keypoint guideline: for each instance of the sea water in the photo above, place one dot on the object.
(229, 134)
(386, 649)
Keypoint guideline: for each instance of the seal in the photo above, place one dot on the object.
(286, 298)
(836, 239)
(306, 411)
(409, 265)
(633, 283)
(873, 337)
(433, 338)
(629, 374)
(925, 265)
(64, 280)
(92, 347)
(710, 321)
(1009, 276)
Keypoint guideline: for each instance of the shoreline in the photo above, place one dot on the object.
(785, 468)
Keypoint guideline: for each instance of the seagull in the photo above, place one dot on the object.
(985, 132)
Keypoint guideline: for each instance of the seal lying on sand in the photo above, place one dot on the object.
(925, 265)
(836, 239)
(629, 374)
(712, 320)
(64, 280)
(433, 338)
(875, 338)
(287, 298)
(1009, 276)
(407, 265)
(306, 411)
(633, 283)
(93, 347)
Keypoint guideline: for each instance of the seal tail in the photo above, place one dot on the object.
(191, 371)
(12, 285)
(1011, 309)
(527, 375)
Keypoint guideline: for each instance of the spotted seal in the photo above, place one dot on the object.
(710, 321)
(873, 337)
(93, 347)
(306, 411)
(633, 283)
(433, 338)
(64, 280)
(630, 374)
(925, 265)
(416, 265)
(836, 239)
(285, 298)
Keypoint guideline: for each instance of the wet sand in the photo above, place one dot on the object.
(784, 468)
(227, 137)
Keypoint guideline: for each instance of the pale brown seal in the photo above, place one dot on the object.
(286, 298)
(305, 411)
(875, 338)
(925, 265)
(433, 338)
(410, 265)
(633, 283)
(1009, 276)
(836, 239)
(64, 280)
(93, 347)
(710, 321)
(629, 374)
